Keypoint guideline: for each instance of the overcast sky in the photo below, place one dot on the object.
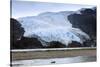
(28, 8)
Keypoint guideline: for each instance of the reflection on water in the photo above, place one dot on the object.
(54, 61)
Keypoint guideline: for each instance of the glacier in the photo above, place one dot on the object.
(52, 26)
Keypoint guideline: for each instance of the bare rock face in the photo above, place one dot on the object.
(28, 43)
(86, 21)
(16, 31)
(55, 44)
(74, 44)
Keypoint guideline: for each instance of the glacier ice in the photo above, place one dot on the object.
(52, 26)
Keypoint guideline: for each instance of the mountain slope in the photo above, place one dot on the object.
(51, 26)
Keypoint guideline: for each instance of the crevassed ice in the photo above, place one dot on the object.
(52, 27)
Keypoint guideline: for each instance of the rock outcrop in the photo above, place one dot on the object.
(86, 21)
(16, 32)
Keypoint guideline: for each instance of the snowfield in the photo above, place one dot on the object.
(52, 26)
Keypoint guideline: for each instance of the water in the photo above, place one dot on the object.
(32, 62)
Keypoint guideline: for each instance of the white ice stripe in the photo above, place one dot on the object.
(53, 49)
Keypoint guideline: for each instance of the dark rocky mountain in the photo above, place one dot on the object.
(86, 21)
(55, 44)
(27, 43)
(75, 44)
(16, 31)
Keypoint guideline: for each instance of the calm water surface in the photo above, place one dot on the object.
(20, 63)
